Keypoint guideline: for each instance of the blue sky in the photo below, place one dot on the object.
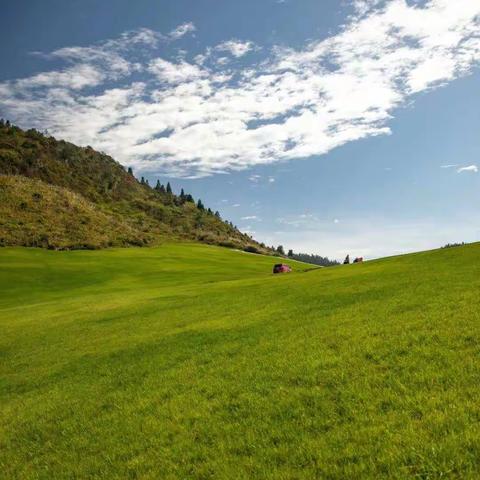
(330, 127)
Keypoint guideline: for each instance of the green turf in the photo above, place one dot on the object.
(190, 361)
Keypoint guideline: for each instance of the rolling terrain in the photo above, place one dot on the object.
(56, 195)
(194, 361)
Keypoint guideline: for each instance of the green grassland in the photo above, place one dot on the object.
(193, 361)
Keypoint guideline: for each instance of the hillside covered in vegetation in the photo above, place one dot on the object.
(54, 194)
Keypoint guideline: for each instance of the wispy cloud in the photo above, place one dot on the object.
(449, 166)
(236, 48)
(182, 30)
(191, 117)
(304, 220)
(252, 217)
(470, 168)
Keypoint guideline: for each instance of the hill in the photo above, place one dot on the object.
(193, 361)
(104, 204)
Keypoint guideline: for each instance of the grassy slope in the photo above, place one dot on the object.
(38, 214)
(191, 361)
(56, 169)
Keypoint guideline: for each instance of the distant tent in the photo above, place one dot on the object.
(281, 268)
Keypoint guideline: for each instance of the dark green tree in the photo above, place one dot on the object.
(200, 205)
(280, 250)
(158, 186)
(290, 253)
(142, 181)
(169, 188)
(130, 171)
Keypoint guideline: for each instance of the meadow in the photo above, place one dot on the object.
(193, 361)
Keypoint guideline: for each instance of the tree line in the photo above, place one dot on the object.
(182, 198)
(305, 257)
(315, 259)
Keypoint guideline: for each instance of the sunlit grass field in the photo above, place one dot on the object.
(195, 362)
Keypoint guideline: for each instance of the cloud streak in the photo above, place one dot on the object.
(197, 116)
(470, 168)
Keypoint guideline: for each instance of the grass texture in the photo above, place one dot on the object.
(193, 361)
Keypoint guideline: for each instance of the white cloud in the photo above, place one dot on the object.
(236, 48)
(182, 30)
(361, 7)
(470, 168)
(174, 73)
(449, 166)
(193, 117)
(75, 78)
(252, 217)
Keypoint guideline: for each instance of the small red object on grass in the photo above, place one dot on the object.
(281, 268)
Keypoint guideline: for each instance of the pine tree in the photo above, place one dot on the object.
(189, 198)
(290, 253)
(200, 205)
(162, 189)
(169, 188)
(280, 250)
(182, 194)
(142, 181)
(158, 186)
(210, 211)
(130, 171)
(217, 214)
(146, 183)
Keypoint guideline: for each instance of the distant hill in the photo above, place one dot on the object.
(54, 194)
